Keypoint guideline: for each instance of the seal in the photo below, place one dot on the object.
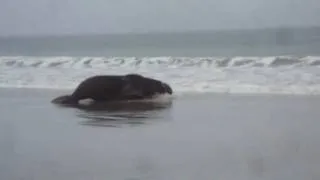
(106, 88)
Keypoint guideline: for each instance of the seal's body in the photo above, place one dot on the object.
(104, 88)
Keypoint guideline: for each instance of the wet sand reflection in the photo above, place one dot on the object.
(118, 114)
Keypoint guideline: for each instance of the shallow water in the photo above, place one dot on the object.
(196, 137)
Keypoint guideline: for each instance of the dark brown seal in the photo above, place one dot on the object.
(105, 88)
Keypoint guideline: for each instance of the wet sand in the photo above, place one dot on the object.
(196, 137)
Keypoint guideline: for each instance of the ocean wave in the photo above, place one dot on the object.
(107, 62)
(271, 75)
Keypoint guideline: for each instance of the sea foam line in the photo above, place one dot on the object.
(171, 62)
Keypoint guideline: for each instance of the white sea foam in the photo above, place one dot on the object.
(282, 74)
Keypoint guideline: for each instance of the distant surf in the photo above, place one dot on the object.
(270, 75)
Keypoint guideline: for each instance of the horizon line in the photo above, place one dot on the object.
(61, 35)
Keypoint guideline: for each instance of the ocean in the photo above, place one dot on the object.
(247, 61)
(245, 107)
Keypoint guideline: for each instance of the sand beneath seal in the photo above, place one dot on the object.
(198, 137)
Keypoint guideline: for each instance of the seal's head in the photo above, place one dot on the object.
(64, 100)
(166, 88)
(145, 86)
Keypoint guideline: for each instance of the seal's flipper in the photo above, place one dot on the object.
(64, 100)
(131, 87)
(129, 91)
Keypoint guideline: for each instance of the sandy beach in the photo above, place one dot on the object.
(208, 136)
(245, 77)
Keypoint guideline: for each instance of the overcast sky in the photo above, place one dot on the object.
(108, 16)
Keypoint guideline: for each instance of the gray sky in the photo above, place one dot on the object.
(108, 16)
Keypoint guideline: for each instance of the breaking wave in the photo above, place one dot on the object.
(169, 62)
(273, 75)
